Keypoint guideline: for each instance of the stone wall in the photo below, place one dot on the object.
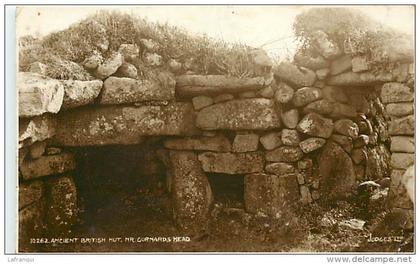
(298, 132)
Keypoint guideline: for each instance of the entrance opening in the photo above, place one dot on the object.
(228, 190)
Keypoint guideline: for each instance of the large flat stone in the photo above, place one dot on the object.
(126, 90)
(47, 165)
(402, 126)
(296, 76)
(403, 144)
(123, 124)
(232, 163)
(246, 114)
(396, 92)
(359, 79)
(400, 109)
(78, 93)
(38, 94)
(36, 129)
(216, 143)
(284, 154)
(401, 160)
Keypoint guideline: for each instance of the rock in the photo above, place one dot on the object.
(359, 155)
(304, 164)
(359, 79)
(306, 197)
(201, 101)
(248, 94)
(191, 192)
(359, 170)
(359, 64)
(212, 85)
(306, 95)
(216, 143)
(294, 75)
(110, 65)
(290, 137)
(346, 127)
(334, 94)
(37, 149)
(300, 178)
(400, 109)
(174, 66)
(62, 208)
(279, 168)
(78, 93)
(223, 97)
(47, 165)
(269, 194)
(343, 111)
(232, 163)
(130, 52)
(262, 62)
(402, 126)
(356, 224)
(290, 118)
(361, 141)
(30, 192)
(271, 141)
(127, 70)
(396, 92)
(341, 64)
(401, 160)
(313, 63)
(245, 114)
(365, 127)
(403, 144)
(245, 143)
(38, 94)
(378, 162)
(322, 74)
(123, 124)
(266, 92)
(31, 225)
(92, 62)
(36, 129)
(326, 48)
(284, 154)
(152, 59)
(344, 141)
(284, 93)
(337, 176)
(322, 107)
(311, 144)
(315, 125)
(38, 67)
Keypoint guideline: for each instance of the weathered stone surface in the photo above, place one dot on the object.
(284, 93)
(401, 160)
(306, 95)
(340, 65)
(123, 124)
(232, 163)
(279, 168)
(315, 125)
(201, 101)
(396, 92)
(305, 194)
(267, 92)
(152, 59)
(294, 75)
(311, 144)
(245, 143)
(30, 225)
(47, 165)
(290, 137)
(110, 65)
(246, 114)
(402, 126)
(344, 141)
(191, 191)
(271, 140)
(402, 144)
(223, 97)
(127, 70)
(359, 79)
(78, 93)
(93, 61)
(359, 155)
(129, 51)
(400, 109)
(313, 63)
(337, 176)
(269, 194)
(290, 118)
(216, 143)
(322, 107)
(38, 94)
(174, 65)
(126, 90)
(300, 178)
(61, 205)
(30, 192)
(304, 164)
(361, 141)
(325, 47)
(346, 127)
(38, 128)
(334, 94)
(359, 64)
(38, 67)
(37, 149)
(322, 74)
(284, 154)
(211, 85)
(248, 94)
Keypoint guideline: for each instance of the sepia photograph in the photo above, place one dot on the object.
(285, 129)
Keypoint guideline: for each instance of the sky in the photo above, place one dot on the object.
(270, 27)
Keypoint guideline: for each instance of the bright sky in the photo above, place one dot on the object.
(253, 25)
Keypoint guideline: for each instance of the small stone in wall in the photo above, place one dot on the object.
(279, 168)
(130, 52)
(290, 137)
(174, 66)
(300, 178)
(152, 59)
(223, 97)
(306, 197)
(78, 93)
(93, 61)
(127, 70)
(322, 107)
(400, 109)
(325, 47)
(271, 140)
(110, 65)
(38, 67)
(284, 93)
(245, 143)
(296, 76)
(290, 118)
(37, 149)
(307, 61)
(201, 101)
(402, 144)
(346, 127)
(322, 74)
(359, 64)
(396, 92)
(361, 141)
(304, 164)
(267, 92)
(284, 154)
(359, 155)
(401, 160)
(306, 95)
(36, 129)
(47, 165)
(402, 126)
(311, 144)
(344, 141)
(315, 125)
